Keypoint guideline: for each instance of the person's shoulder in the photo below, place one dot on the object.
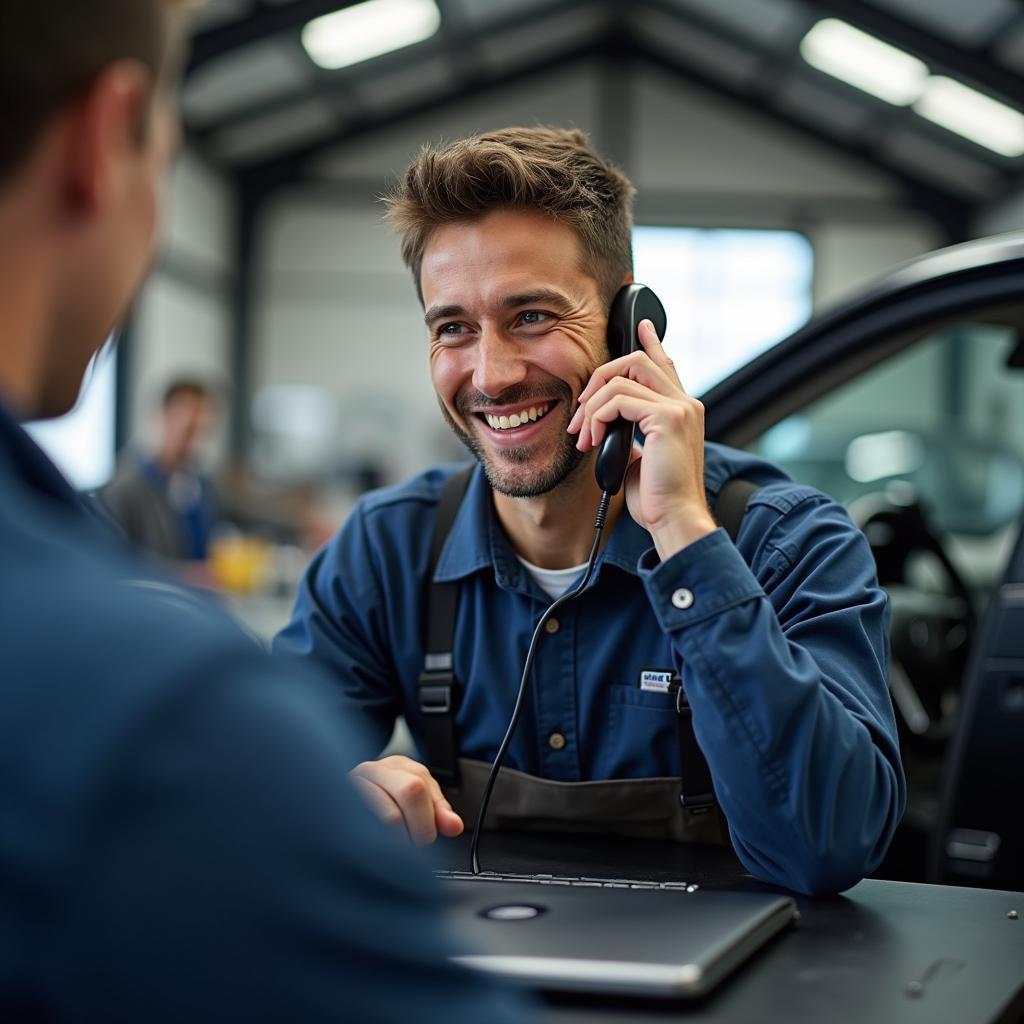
(127, 471)
(102, 656)
(776, 489)
(84, 608)
(419, 493)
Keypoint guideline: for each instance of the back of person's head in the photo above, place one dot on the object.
(551, 170)
(51, 51)
(89, 130)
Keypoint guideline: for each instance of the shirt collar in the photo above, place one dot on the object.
(28, 462)
(477, 541)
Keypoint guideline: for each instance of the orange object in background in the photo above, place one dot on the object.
(238, 564)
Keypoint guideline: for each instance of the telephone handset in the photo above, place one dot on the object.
(633, 303)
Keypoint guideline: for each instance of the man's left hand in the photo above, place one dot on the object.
(665, 482)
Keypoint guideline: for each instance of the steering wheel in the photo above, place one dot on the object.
(932, 624)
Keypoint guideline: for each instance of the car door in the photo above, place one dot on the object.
(906, 403)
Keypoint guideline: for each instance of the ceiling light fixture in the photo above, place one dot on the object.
(863, 61)
(973, 115)
(368, 30)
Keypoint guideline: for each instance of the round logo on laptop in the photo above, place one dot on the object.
(512, 912)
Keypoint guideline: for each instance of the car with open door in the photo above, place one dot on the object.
(906, 403)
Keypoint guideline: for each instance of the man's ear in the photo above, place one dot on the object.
(106, 128)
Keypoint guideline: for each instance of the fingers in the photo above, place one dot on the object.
(651, 344)
(592, 429)
(379, 800)
(635, 407)
(404, 794)
(651, 367)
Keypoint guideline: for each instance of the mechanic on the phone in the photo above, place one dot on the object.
(772, 650)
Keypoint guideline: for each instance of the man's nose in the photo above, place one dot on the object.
(499, 363)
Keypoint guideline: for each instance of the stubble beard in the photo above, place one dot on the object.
(500, 466)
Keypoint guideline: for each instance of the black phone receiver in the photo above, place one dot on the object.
(633, 303)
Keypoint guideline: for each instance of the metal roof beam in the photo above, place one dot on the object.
(451, 40)
(951, 211)
(293, 165)
(264, 21)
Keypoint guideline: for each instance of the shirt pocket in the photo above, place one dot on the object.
(642, 736)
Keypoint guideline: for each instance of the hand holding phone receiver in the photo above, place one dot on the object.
(633, 303)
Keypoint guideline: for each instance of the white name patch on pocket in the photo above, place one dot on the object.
(655, 680)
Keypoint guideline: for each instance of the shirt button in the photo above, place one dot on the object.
(556, 741)
(682, 598)
(552, 626)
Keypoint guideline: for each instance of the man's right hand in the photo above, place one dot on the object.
(406, 795)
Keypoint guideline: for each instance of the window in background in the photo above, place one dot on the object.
(82, 442)
(729, 294)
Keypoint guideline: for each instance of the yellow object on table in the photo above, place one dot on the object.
(239, 564)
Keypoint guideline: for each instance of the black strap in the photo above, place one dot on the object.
(696, 792)
(438, 689)
(731, 505)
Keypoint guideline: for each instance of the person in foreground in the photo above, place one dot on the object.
(517, 242)
(177, 838)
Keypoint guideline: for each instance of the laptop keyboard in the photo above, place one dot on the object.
(579, 881)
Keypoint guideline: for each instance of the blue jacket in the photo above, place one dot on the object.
(783, 653)
(177, 838)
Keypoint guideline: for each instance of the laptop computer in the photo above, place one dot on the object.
(611, 936)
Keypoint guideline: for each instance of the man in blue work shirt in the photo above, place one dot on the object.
(177, 840)
(518, 241)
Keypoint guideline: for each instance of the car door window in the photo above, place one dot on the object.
(942, 420)
(926, 450)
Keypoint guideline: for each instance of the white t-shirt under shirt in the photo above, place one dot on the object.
(554, 582)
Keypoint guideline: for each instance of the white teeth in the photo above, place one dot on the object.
(534, 413)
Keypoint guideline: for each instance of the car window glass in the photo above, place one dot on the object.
(943, 421)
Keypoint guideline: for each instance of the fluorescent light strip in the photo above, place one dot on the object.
(973, 115)
(863, 61)
(368, 30)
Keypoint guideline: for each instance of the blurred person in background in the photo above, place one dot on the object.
(179, 841)
(164, 500)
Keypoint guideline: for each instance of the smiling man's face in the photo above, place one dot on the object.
(516, 330)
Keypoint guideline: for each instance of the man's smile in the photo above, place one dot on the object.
(514, 425)
(509, 419)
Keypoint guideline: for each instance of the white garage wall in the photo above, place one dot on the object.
(183, 320)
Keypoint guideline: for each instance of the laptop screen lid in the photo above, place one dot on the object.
(589, 938)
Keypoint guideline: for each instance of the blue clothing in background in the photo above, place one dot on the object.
(781, 642)
(189, 494)
(178, 840)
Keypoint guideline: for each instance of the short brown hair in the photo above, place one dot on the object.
(185, 386)
(552, 170)
(50, 50)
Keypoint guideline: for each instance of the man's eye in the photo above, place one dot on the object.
(449, 330)
(534, 316)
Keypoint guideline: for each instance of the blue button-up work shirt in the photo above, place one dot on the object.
(781, 641)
